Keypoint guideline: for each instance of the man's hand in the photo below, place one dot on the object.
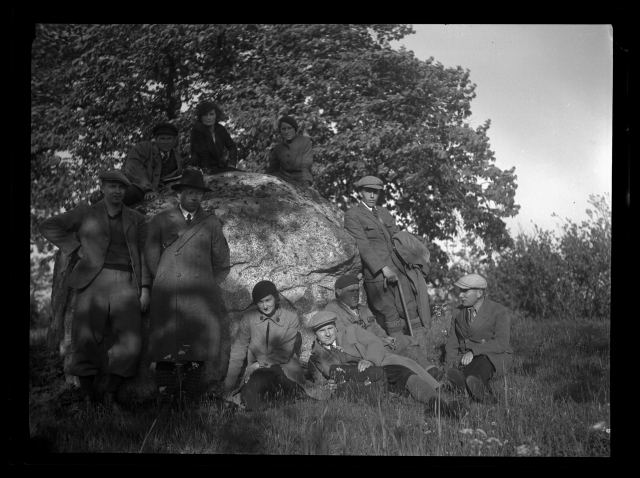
(467, 358)
(389, 274)
(363, 365)
(150, 195)
(145, 299)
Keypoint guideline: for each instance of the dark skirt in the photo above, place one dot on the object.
(267, 384)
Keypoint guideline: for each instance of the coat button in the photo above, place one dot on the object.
(197, 275)
(177, 274)
(198, 254)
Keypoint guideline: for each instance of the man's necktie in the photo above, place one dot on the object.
(375, 212)
(469, 315)
(188, 218)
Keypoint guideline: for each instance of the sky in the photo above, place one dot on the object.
(547, 90)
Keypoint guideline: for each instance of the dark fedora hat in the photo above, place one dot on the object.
(192, 178)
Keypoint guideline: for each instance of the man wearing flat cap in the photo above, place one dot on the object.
(354, 345)
(107, 240)
(150, 164)
(186, 252)
(291, 159)
(478, 339)
(349, 311)
(373, 228)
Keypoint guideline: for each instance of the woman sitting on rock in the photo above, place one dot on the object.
(291, 159)
(209, 139)
(267, 337)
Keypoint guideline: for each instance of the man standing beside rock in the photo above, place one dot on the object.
(149, 162)
(373, 228)
(112, 283)
(185, 251)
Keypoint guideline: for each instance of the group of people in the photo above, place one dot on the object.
(173, 266)
(150, 165)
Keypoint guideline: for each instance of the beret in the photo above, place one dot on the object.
(165, 128)
(346, 280)
(370, 181)
(321, 319)
(471, 281)
(290, 121)
(114, 175)
(263, 289)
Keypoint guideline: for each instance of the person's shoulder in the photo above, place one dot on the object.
(353, 210)
(198, 126)
(136, 214)
(302, 139)
(496, 307)
(332, 305)
(144, 145)
(250, 314)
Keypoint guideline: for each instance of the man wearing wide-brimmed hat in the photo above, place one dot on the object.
(107, 238)
(373, 228)
(186, 252)
(479, 338)
(150, 164)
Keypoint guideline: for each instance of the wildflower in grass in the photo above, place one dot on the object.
(607, 430)
(195, 364)
(466, 431)
(168, 357)
(181, 352)
(162, 389)
(493, 440)
(526, 450)
(598, 426)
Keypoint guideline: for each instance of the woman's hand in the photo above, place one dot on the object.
(250, 369)
(363, 365)
(467, 358)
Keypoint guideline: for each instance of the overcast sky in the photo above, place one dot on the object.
(548, 92)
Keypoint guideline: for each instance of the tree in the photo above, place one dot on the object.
(368, 108)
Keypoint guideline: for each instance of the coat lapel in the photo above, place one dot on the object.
(368, 214)
(127, 219)
(196, 223)
(100, 211)
(480, 318)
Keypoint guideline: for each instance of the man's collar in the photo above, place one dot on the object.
(478, 304)
(345, 306)
(365, 205)
(185, 212)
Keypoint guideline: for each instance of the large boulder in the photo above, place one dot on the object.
(276, 231)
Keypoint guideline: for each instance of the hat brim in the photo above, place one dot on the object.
(374, 186)
(177, 187)
(315, 328)
(127, 184)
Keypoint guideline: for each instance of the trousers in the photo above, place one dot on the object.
(388, 303)
(111, 297)
(266, 384)
(480, 367)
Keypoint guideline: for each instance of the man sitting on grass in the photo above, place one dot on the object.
(354, 345)
(479, 339)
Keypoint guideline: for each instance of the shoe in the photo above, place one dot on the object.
(458, 409)
(476, 388)
(436, 373)
(456, 380)
(109, 402)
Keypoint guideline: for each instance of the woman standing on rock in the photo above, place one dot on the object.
(209, 139)
(267, 337)
(291, 159)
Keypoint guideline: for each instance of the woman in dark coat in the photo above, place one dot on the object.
(209, 139)
(268, 339)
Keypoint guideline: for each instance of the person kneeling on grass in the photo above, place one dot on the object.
(479, 342)
(354, 345)
(267, 337)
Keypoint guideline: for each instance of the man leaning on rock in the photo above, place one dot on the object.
(151, 163)
(373, 227)
(107, 238)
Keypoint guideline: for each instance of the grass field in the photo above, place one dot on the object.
(554, 402)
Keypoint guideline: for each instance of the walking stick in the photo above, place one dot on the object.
(404, 307)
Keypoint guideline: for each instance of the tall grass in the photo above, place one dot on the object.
(554, 402)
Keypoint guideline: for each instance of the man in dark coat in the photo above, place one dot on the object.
(113, 284)
(373, 228)
(150, 164)
(185, 252)
(478, 339)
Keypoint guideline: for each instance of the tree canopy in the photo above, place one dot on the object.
(369, 109)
